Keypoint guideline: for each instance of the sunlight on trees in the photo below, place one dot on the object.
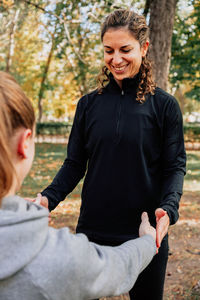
(53, 49)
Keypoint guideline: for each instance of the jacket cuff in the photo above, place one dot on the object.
(51, 204)
(172, 214)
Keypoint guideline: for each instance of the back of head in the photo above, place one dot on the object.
(16, 111)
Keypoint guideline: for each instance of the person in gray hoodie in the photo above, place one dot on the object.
(40, 262)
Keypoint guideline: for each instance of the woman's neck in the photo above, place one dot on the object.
(119, 82)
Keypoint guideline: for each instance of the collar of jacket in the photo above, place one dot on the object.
(129, 85)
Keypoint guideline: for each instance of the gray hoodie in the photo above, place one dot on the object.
(38, 262)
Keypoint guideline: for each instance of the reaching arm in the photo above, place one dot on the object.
(113, 270)
(74, 166)
(84, 270)
(174, 162)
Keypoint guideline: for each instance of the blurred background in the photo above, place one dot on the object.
(53, 49)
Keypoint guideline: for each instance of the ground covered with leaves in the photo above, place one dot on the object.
(183, 272)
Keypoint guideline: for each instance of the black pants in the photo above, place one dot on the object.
(150, 283)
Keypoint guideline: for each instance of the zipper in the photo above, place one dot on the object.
(119, 116)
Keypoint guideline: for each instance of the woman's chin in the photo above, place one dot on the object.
(120, 77)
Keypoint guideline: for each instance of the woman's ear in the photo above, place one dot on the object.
(23, 143)
(144, 48)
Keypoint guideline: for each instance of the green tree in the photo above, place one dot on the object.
(186, 52)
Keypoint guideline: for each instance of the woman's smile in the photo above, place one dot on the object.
(119, 70)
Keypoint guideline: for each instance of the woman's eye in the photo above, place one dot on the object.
(126, 51)
(123, 50)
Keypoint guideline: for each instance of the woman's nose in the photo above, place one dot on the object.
(117, 59)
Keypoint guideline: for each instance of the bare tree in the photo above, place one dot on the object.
(162, 14)
(11, 40)
(45, 75)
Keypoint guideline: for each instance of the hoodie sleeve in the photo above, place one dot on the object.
(74, 166)
(174, 160)
(71, 267)
(112, 271)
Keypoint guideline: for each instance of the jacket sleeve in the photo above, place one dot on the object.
(174, 160)
(74, 166)
(84, 270)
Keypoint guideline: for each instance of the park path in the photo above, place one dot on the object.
(54, 139)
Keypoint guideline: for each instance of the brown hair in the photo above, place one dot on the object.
(136, 24)
(16, 111)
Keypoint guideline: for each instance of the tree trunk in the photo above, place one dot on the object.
(44, 77)
(11, 41)
(162, 14)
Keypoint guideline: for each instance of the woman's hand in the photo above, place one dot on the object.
(162, 224)
(41, 200)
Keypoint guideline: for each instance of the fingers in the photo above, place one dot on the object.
(160, 233)
(41, 200)
(158, 237)
(162, 224)
(145, 227)
(144, 217)
(44, 202)
(38, 198)
(159, 213)
(30, 199)
(161, 229)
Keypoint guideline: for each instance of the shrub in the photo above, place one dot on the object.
(192, 131)
(53, 128)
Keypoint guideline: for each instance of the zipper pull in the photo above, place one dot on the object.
(122, 92)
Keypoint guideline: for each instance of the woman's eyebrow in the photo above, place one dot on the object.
(126, 46)
(120, 47)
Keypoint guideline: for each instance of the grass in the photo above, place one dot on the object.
(192, 178)
(47, 162)
(49, 158)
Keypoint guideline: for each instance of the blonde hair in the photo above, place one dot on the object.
(16, 111)
(136, 24)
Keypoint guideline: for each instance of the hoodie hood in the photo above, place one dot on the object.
(23, 232)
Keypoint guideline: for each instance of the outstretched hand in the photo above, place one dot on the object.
(162, 225)
(41, 200)
(145, 226)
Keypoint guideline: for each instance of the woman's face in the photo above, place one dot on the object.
(122, 53)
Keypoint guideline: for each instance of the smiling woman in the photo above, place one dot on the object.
(127, 137)
(122, 53)
(126, 43)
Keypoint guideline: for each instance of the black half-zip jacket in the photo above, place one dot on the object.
(134, 158)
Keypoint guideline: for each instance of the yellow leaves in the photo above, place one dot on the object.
(7, 3)
(69, 207)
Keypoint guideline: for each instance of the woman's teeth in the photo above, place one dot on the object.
(119, 68)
